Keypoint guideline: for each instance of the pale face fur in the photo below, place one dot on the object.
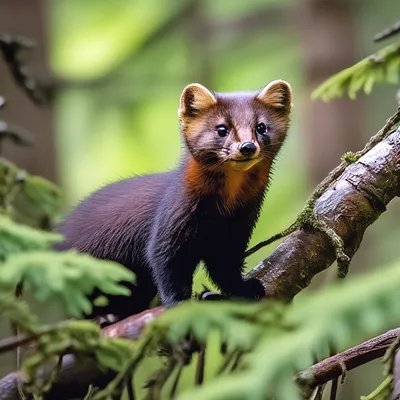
(202, 114)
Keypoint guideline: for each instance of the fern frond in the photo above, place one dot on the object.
(10, 176)
(383, 66)
(38, 197)
(240, 324)
(27, 194)
(17, 312)
(278, 346)
(67, 277)
(16, 238)
(80, 338)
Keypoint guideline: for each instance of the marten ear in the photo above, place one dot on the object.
(277, 94)
(195, 98)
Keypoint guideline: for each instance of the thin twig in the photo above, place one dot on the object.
(11, 47)
(237, 360)
(226, 363)
(334, 388)
(388, 32)
(199, 376)
(332, 367)
(13, 342)
(176, 380)
(320, 392)
(18, 135)
(129, 388)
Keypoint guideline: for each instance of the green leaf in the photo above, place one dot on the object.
(239, 324)
(81, 338)
(17, 312)
(38, 197)
(392, 70)
(114, 353)
(384, 66)
(10, 177)
(67, 277)
(369, 82)
(27, 196)
(16, 238)
(279, 345)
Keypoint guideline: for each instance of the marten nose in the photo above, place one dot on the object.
(248, 148)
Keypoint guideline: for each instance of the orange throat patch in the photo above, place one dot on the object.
(232, 188)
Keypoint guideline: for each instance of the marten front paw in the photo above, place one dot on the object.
(253, 289)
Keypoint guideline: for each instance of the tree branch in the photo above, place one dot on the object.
(351, 203)
(388, 32)
(10, 48)
(333, 367)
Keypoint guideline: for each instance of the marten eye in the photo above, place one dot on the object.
(222, 130)
(261, 129)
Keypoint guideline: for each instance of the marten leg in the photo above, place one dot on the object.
(173, 276)
(227, 275)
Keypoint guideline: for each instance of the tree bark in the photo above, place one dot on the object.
(20, 17)
(335, 366)
(349, 206)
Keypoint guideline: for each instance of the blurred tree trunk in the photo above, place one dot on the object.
(200, 33)
(327, 31)
(328, 44)
(27, 18)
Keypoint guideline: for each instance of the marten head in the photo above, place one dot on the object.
(235, 130)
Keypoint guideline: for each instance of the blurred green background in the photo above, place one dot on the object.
(120, 66)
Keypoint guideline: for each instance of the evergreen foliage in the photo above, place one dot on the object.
(67, 277)
(277, 341)
(16, 238)
(28, 198)
(384, 66)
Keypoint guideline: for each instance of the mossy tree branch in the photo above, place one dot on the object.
(350, 204)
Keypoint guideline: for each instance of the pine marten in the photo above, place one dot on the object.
(162, 225)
